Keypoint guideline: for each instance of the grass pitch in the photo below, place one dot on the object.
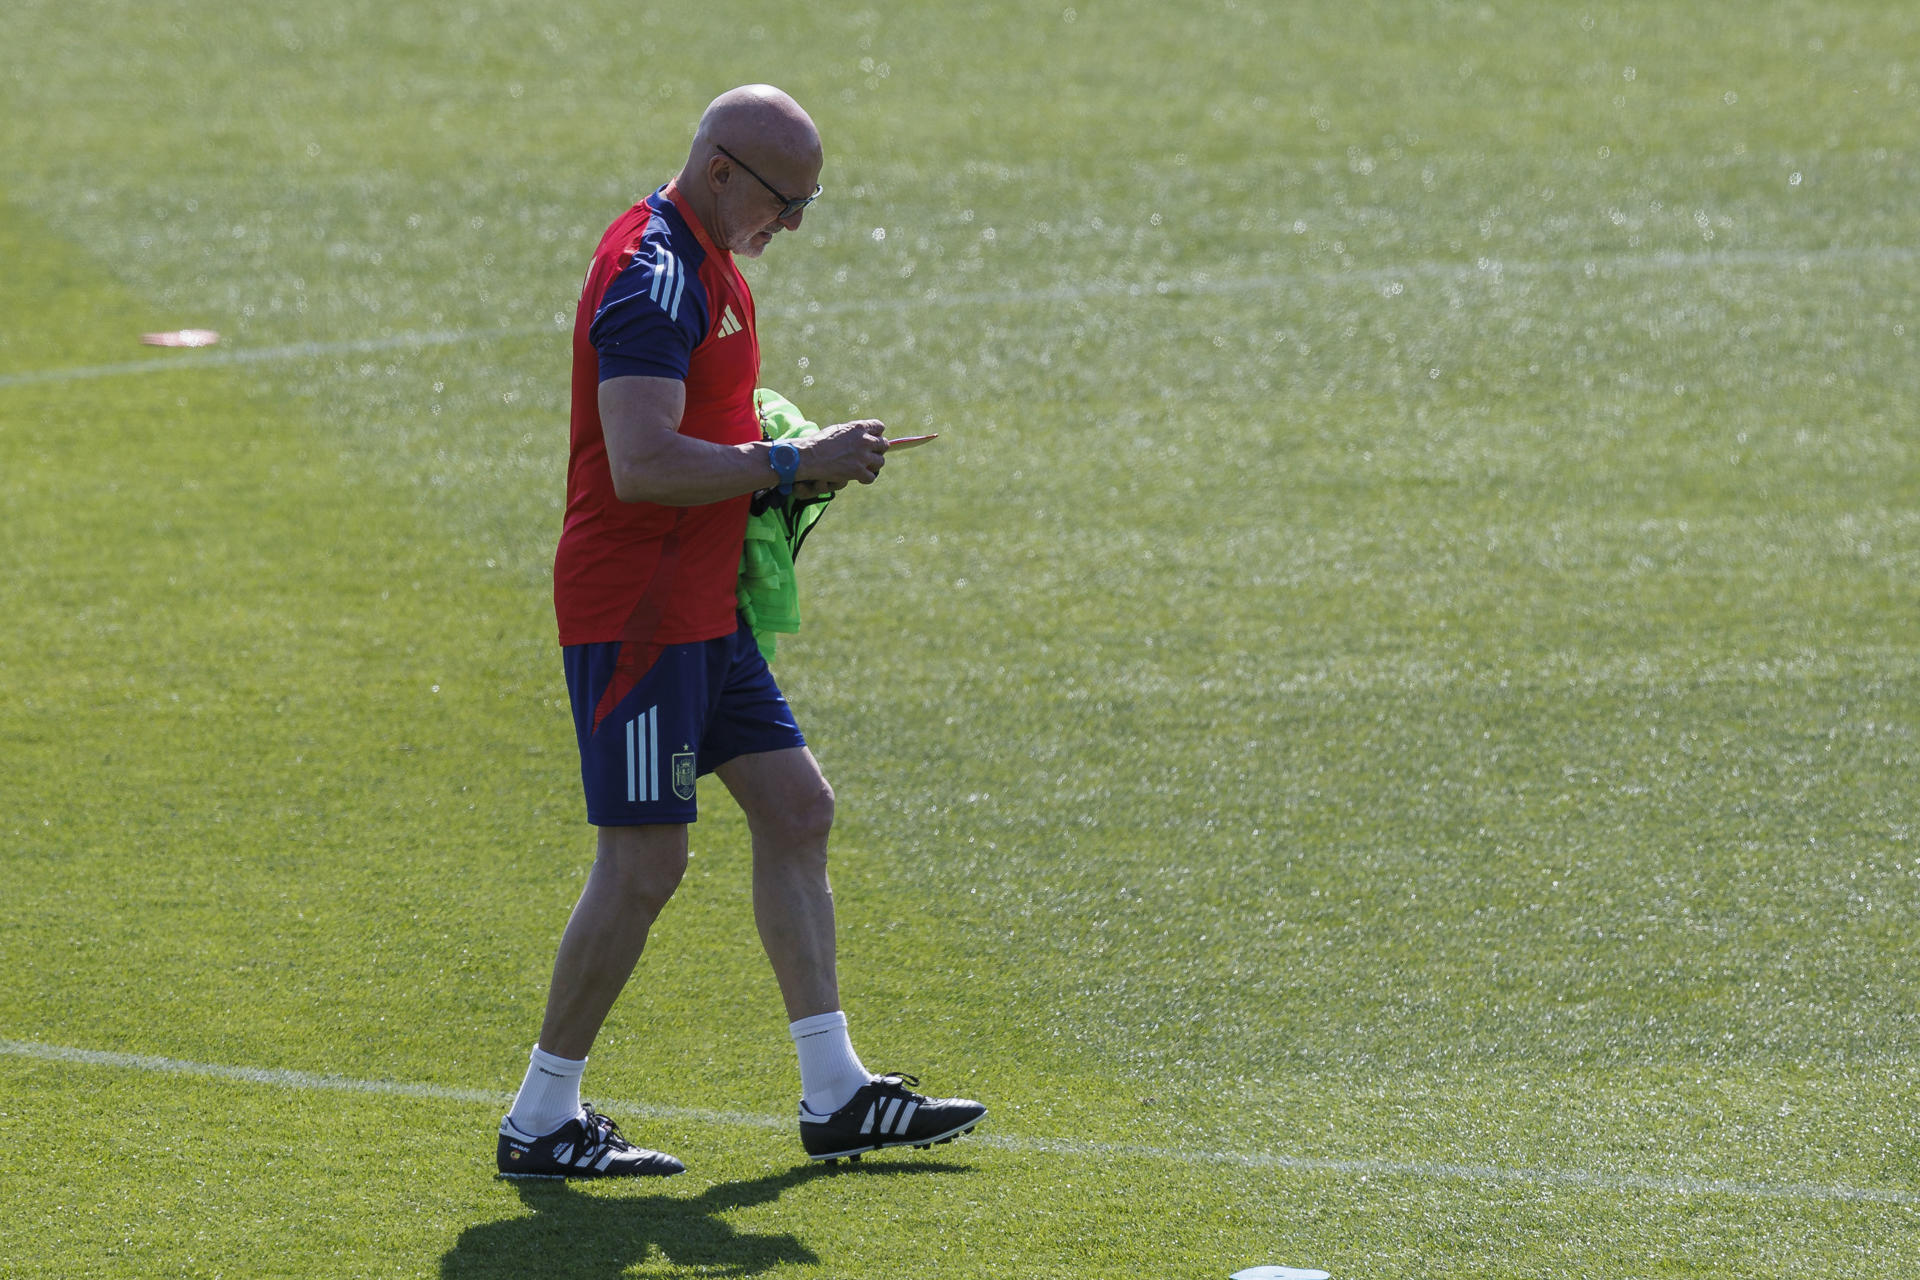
(1382, 737)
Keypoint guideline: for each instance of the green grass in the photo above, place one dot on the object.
(1399, 683)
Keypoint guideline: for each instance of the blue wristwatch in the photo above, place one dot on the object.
(786, 464)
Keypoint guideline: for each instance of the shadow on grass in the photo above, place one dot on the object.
(572, 1236)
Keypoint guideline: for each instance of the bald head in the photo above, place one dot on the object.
(755, 149)
(755, 122)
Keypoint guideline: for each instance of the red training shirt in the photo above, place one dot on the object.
(660, 300)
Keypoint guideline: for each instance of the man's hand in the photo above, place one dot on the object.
(843, 452)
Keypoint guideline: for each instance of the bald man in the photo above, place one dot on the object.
(666, 683)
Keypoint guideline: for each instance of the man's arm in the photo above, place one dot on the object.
(652, 462)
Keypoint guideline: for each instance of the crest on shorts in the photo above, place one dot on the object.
(683, 775)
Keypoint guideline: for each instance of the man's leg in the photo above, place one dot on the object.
(789, 809)
(635, 870)
(844, 1109)
(548, 1133)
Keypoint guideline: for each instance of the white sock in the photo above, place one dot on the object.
(549, 1096)
(830, 1071)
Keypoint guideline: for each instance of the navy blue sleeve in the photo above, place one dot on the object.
(651, 317)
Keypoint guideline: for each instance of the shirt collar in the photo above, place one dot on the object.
(672, 193)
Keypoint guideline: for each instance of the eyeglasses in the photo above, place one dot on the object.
(789, 205)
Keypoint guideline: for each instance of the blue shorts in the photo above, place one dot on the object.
(692, 709)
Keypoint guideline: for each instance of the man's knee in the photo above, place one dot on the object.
(639, 868)
(787, 800)
(801, 821)
(813, 817)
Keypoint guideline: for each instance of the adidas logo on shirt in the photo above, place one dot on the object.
(729, 323)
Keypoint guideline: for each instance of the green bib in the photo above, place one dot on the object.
(768, 592)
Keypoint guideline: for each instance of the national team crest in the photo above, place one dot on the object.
(683, 775)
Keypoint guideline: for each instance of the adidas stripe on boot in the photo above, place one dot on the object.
(587, 1146)
(886, 1113)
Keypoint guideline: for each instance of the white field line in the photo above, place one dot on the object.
(1423, 1171)
(935, 300)
(1215, 283)
(267, 355)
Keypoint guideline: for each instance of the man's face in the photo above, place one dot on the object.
(749, 213)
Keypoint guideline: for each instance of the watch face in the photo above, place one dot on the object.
(786, 464)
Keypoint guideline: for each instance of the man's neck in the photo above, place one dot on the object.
(686, 196)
